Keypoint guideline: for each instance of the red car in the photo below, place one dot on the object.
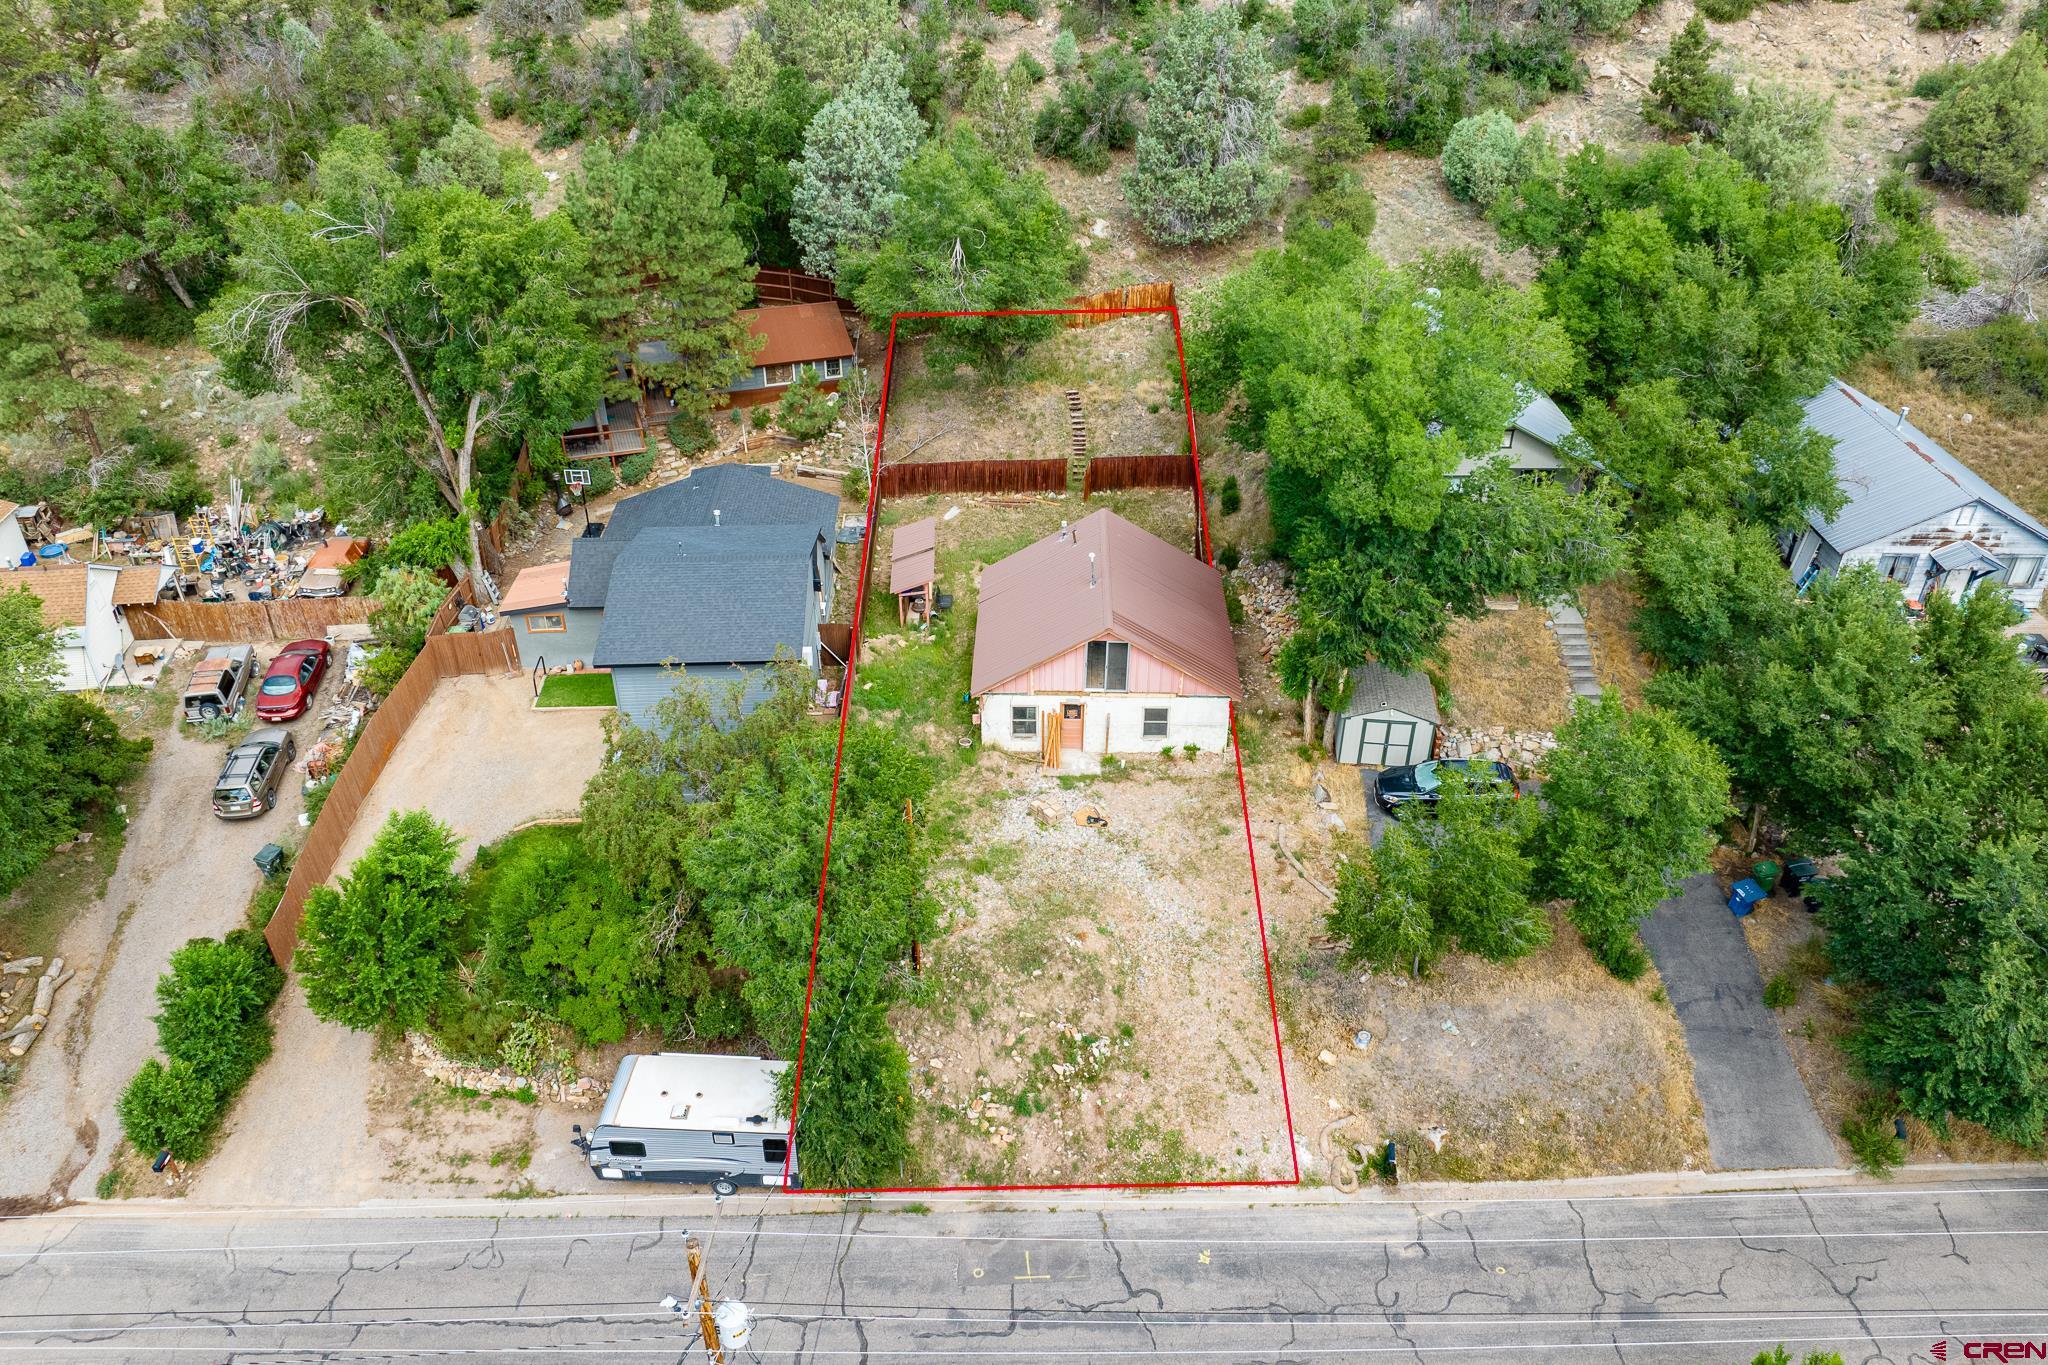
(294, 676)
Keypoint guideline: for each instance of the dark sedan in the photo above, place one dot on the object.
(294, 676)
(1421, 784)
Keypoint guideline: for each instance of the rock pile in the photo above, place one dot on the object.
(1268, 603)
(1522, 750)
(577, 1092)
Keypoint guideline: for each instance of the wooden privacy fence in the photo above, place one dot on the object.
(444, 656)
(974, 476)
(246, 622)
(1109, 472)
(773, 287)
(1155, 295)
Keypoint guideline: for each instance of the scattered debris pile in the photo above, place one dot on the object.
(38, 993)
(1268, 603)
(565, 1088)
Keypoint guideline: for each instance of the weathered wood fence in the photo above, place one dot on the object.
(1158, 294)
(444, 656)
(1106, 473)
(246, 622)
(974, 476)
(773, 287)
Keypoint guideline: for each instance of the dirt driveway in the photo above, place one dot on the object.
(182, 874)
(307, 1131)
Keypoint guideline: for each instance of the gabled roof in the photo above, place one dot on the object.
(1541, 417)
(60, 588)
(542, 585)
(1895, 474)
(741, 495)
(708, 594)
(1047, 599)
(798, 331)
(1375, 687)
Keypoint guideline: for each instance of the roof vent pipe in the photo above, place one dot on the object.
(1903, 410)
(714, 516)
(1091, 568)
(1063, 528)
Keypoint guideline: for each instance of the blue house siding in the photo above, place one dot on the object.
(641, 688)
(560, 648)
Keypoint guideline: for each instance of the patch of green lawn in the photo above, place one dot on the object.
(578, 689)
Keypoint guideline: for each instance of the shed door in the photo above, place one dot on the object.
(1384, 743)
(1072, 716)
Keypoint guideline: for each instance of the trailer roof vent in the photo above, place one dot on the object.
(679, 1111)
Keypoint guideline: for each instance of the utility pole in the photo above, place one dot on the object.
(707, 1326)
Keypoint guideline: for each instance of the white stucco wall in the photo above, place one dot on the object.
(1113, 723)
(12, 544)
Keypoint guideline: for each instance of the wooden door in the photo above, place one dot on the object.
(1071, 716)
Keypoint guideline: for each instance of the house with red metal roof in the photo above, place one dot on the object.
(1107, 636)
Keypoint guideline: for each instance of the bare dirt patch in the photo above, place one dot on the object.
(1617, 661)
(1504, 670)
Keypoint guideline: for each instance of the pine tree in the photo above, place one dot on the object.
(830, 43)
(1205, 167)
(52, 371)
(1686, 96)
(665, 262)
(1000, 104)
(854, 150)
(750, 81)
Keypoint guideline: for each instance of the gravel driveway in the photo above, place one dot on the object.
(182, 873)
(484, 762)
(1758, 1113)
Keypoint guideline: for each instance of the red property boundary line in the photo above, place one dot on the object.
(1172, 312)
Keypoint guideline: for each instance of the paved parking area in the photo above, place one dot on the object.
(1758, 1114)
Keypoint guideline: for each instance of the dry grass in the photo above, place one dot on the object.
(2012, 455)
(1787, 940)
(1548, 1068)
(1504, 670)
(1610, 607)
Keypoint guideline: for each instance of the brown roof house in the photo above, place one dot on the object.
(1113, 633)
(86, 605)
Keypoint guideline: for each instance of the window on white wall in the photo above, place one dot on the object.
(1898, 568)
(1024, 722)
(2022, 571)
(1109, 666)
(1966, 515)
(1155, 722)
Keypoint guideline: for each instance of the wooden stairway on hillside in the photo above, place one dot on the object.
(1077, 443)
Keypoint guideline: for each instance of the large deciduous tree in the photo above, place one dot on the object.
(1367, 386)
(1204, 167)
(854, 151)
(665, 263)
(1631, 802)
(432, 318)
(969, 234)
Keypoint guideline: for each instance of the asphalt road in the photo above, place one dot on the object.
(1876, 1273)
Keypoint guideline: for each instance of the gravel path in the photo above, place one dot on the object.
(182, 873)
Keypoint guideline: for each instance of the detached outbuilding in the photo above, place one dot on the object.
(1390, 720)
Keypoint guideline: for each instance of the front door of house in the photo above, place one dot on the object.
(1071, 715)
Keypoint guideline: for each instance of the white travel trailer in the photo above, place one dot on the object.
(693, 1118)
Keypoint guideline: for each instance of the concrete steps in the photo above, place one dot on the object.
(1575, 644)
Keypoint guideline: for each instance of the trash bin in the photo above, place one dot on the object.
(1743, 896)
(1799, 872)
(270, 859)
(1766, 873)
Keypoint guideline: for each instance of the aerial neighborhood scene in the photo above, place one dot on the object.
(1115, 640)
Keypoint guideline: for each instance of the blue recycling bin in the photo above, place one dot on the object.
(1743, 896)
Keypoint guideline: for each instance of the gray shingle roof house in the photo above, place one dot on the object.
(1531, 440)
(1923, 517)
(713, 575)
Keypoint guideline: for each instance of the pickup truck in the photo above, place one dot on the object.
(219, 682)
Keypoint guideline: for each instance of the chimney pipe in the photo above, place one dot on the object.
(1903, 410)
(1091, 568)
(714, 516)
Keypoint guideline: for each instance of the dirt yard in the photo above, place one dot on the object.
(329, 1119)
(1126, 371)
(1504, 670)
(181, 873)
